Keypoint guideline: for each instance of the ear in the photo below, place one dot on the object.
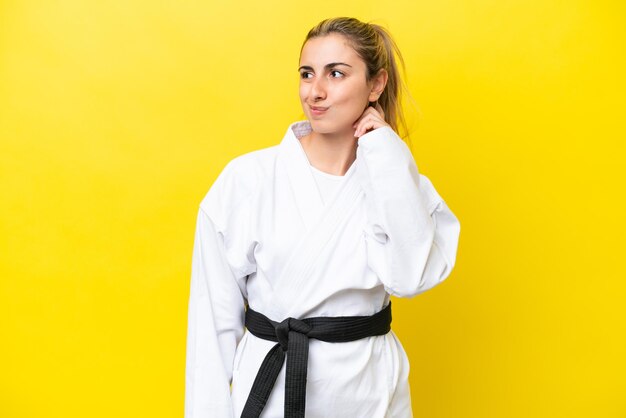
(378, 84)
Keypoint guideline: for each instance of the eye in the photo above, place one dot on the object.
(338, 72)
(303, 74)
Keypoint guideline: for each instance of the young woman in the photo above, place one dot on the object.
(299, 246)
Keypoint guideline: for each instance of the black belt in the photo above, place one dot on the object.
(293, 336)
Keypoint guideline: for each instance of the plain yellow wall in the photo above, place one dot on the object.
(116, 117)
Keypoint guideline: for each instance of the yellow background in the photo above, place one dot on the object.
(116, 117)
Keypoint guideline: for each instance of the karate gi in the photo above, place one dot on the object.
(268, 235)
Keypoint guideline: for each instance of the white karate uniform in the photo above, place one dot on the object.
(270, 234)
(327, 183)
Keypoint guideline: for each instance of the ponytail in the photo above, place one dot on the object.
(390, 98)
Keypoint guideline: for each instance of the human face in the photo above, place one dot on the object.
(333, 79)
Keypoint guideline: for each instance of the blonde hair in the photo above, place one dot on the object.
(377, 49)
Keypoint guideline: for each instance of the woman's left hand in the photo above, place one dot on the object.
(372, 118)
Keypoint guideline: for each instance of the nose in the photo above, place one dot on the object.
(318, 89)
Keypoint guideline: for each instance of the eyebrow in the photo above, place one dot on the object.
(327, 66)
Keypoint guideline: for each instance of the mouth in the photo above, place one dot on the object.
(317, 110)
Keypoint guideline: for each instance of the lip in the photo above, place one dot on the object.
(317, 110)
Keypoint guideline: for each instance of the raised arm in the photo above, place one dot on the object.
(411, 234)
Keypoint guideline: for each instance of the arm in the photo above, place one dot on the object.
(215, 324)
(411, 234)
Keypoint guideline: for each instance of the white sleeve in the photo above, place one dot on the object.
(411, 234)
(215, 324)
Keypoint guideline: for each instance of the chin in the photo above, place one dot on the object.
(318, 125)
(324, 127)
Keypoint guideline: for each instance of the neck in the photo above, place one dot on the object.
(332, 153)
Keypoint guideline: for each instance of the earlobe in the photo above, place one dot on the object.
(374, 96)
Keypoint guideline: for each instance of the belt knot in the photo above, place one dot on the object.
(289, 325)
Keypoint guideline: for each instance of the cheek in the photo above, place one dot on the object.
(354, 96)
(303, 91)
(354, 104)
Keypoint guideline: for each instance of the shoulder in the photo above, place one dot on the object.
(238, 182)
(253, 165)
(243, 173)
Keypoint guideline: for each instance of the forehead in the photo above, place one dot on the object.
(330, 48)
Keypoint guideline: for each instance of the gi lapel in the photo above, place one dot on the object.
(320, 221)
(298, 169)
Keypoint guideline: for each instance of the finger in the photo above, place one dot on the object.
(369, 122)
(362, 125)
(380, 110)
(377, 110)
(366, 112)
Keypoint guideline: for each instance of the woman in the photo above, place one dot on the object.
(327, 225)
